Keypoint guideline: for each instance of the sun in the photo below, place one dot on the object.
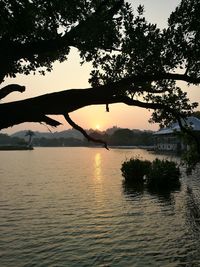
(97, 127)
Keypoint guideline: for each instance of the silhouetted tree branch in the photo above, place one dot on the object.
(60, 103)
(6, 90)
(80, 129)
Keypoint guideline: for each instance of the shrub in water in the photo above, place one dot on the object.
(134, 169)
(164, 174)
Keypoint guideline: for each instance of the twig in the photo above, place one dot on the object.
(80, 129)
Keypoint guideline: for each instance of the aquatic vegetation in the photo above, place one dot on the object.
(163, 174)
(135, 169)
(159, 174)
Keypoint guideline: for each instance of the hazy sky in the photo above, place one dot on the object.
(71, 75)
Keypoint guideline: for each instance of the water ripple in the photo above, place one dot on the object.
(57, 210)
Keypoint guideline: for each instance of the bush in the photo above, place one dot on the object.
(160, 174)
(164, 174)
(135, 169)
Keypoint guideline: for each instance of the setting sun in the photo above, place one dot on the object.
(98, 127)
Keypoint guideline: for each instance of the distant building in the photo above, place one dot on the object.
(167, 139)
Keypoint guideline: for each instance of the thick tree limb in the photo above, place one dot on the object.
(131, 102)
(80, 129)
(11, 88)
(59, 103)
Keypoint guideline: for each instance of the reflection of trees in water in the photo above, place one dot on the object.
(192, 206)
(134, 189)
(188, 212)
(192, 202)
(193, 210)
(165, 194)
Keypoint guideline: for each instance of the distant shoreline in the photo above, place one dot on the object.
(13, 148)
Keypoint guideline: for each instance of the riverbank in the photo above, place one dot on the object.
(9, 147)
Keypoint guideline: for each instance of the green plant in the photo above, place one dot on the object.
(135, 169)
(163, 174)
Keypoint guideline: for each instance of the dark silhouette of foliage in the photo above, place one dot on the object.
(134, 169)
(143, 138)
(163, 174)
(122, 137)
(196, 114)
(127, 137)
(7, 140)
(156, 175)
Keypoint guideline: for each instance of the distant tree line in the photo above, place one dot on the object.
(126, 137)
(58, 142)
(8, 140)
(120, 137)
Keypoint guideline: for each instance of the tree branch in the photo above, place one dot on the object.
(60, 103)
(50, 121)
(127, 82)
(131, 102)
(80, 129)
(6, 90)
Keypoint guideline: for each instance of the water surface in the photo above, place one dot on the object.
(70, 207)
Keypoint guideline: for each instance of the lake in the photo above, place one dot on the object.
(70, 207)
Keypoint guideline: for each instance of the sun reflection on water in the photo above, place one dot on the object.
(97, 166)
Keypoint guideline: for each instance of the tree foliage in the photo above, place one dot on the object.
(147, 51)
(156, 175)
(33, 34)
(134, 62)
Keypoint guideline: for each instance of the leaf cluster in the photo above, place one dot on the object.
(35, 33)
(145, 49)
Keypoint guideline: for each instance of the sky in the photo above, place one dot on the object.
(70, 75)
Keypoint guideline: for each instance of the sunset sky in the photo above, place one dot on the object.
(71, 75)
